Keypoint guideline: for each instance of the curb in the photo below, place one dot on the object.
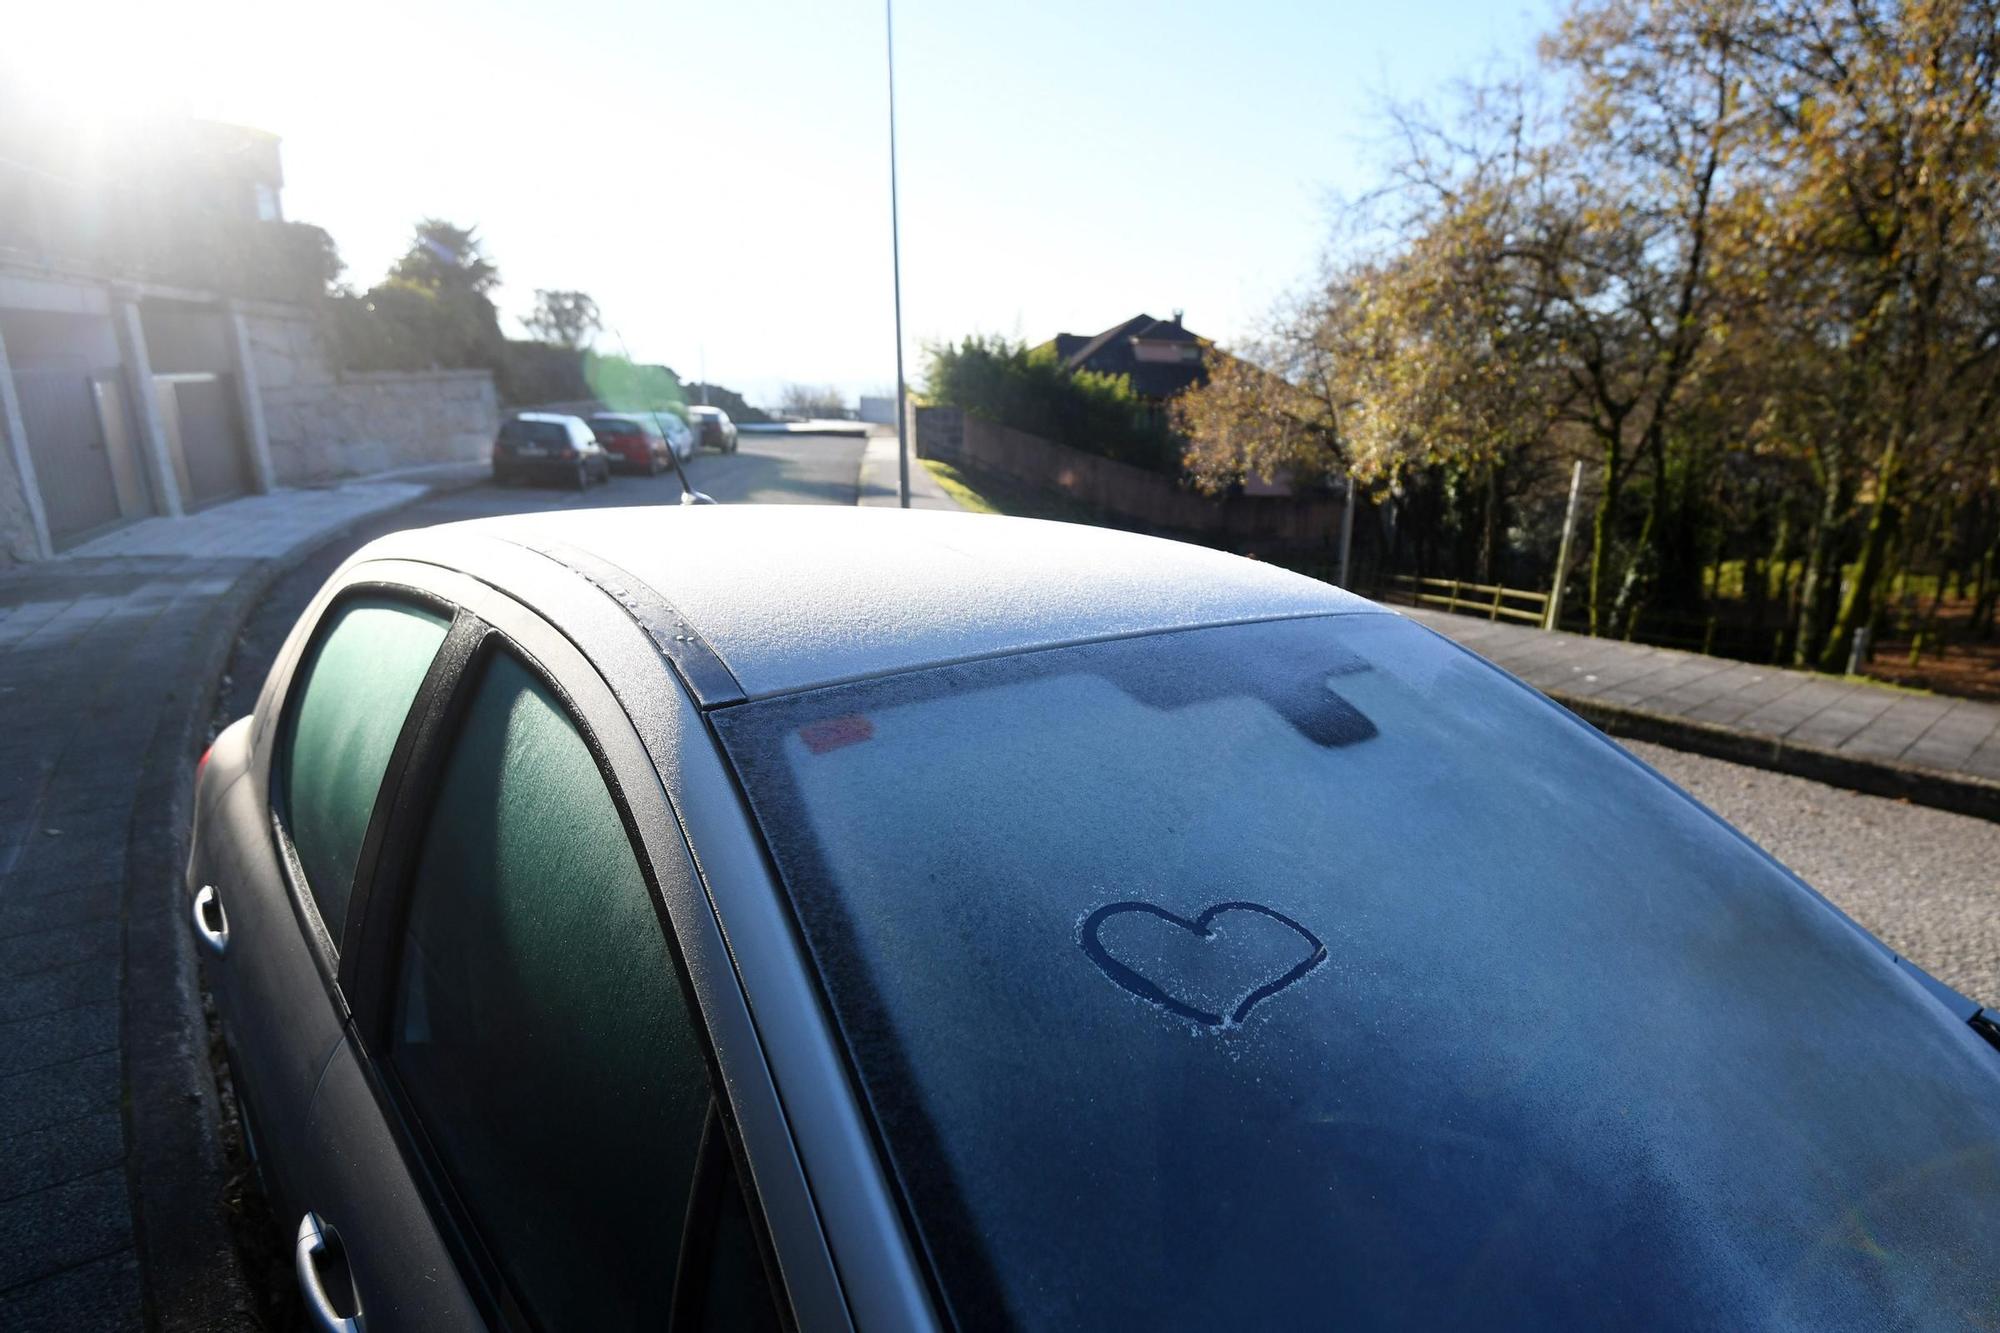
(191, 1275)
(1960, 793)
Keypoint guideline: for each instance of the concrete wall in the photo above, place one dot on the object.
(182, 340)
(323, 425)
(1126, 495)
(41, 339)
(17, 528)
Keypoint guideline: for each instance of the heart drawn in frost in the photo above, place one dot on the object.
(1138, 944)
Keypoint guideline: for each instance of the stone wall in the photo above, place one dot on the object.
(323, 425)
(1124, 495)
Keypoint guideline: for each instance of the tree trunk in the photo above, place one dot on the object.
(1600, 533)
(1859, 602)
(1822, 572)
(1638, 574)
(1986, 593)
(1489, 539)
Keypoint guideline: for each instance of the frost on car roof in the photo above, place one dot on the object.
(790, 597)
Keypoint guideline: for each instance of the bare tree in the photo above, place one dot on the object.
(567, 319)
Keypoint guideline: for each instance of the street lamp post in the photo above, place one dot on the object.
(896, 271)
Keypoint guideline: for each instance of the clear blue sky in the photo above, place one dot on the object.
(717, 174)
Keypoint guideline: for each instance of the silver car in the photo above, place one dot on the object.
(738, 918)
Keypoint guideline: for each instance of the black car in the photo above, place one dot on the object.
(732, 917)
(547, 447)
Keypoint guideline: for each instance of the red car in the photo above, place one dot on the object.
(643, 442)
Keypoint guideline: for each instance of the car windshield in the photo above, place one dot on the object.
(1312, 972)
(604, 426)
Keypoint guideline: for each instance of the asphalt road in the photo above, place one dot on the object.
(765, 469)
(1925, 881)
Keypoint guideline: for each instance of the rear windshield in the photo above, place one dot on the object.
(1312, 973)
(534, 432)
(615, 426)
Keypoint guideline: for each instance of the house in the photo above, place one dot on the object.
(159, 345)
(1160, 356)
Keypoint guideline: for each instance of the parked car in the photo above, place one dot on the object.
(713, 428)
(643, 441)
(730, 917)
(546, 446)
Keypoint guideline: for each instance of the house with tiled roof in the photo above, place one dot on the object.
(1160, 356)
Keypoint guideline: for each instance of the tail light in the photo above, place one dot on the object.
(201, 764)
(567, 453)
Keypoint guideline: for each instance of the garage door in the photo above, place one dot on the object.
(205, 436)
(66, 442)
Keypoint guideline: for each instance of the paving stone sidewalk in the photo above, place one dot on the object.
(879, 478)
(1931, 748)
(110, 1169)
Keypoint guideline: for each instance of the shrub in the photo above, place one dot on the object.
(1029, 390)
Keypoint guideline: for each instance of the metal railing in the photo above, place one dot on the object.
(1494, 600)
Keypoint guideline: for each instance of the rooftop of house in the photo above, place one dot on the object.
(1160, 356)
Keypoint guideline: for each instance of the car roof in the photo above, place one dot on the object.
(789, 597)
(555, 418)
(706, 410)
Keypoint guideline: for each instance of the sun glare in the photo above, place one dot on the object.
(115, 63)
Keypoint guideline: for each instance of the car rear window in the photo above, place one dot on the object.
(1314, 973)
(604, 426)
(535, 432)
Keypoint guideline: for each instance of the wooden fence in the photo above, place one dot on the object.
(1497, 602)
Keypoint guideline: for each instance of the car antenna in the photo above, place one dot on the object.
(689, 495)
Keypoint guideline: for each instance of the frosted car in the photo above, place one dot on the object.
(735, 917)
(547, 446)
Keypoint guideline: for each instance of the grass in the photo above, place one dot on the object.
(985, 493)
(1724, 580)
(953, 483)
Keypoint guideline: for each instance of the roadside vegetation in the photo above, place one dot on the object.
(1028, 389)
(1739, 259)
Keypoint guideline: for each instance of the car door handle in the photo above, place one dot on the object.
(319, 1243)
(210, 922)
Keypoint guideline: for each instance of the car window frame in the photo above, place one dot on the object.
(849, 1255)
(370, 968)
(288, 683)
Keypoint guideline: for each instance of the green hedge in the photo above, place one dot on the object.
(1029, 390)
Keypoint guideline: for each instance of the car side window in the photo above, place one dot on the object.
(539, 1034)
(350, 705)
(723, 1285)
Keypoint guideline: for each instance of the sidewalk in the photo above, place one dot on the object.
(111, 1176)
(878, 478)
(1927, 748)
